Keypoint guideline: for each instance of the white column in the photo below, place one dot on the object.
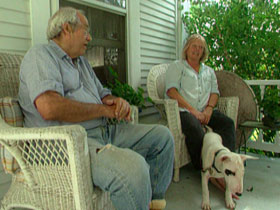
(133, 43)
(39, 14)
(54, 6)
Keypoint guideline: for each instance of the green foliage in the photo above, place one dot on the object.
(126, 92)
(243, 37)
(270, 103)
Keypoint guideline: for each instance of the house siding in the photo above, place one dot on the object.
(15, 33)
(157, 38)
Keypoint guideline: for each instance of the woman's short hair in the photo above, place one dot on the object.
(62, 16)
(188, 43)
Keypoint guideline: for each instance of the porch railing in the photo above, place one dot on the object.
(257, 141)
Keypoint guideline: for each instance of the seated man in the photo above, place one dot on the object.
(58, 87)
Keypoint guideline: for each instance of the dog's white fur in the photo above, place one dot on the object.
(228, 165)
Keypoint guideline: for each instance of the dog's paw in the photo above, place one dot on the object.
(205, 206)
(230, 204)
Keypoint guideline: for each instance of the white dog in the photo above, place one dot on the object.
(218, 161)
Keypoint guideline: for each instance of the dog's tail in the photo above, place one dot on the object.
(207, 129)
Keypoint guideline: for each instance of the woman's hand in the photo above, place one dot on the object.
(198, 115)
(207, 113)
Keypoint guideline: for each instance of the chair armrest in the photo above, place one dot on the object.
(229, 106)
(173, 116)
(52, 155)
(159, 101)
(170, 111)
(134, 114)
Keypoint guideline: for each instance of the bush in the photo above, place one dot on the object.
(243, 37)
(125, 91)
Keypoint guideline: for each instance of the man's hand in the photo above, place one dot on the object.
(121, 107)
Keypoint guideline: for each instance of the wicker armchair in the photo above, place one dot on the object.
(50, 166)
(169, 112)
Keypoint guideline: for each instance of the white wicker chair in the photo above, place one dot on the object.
(53, 163)
(169, 111)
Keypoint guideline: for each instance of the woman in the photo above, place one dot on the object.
(194, 85)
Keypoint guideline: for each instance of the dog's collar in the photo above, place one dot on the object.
(213, 165)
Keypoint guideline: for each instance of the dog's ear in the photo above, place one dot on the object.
(245, 157)
(224, 158)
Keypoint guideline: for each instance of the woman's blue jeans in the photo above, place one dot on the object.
(133, 162)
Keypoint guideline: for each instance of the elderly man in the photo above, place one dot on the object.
(58, 87)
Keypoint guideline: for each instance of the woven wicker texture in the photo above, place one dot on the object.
(9, 74)
(169, 111)
(54, 161)
(231, 84)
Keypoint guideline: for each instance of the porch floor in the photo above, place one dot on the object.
(262, 176)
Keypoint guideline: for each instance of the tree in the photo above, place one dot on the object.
(243, 36)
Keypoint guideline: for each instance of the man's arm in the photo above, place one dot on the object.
(174, 94)
(52, 106)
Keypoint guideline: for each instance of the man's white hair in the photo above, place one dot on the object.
(62, 16)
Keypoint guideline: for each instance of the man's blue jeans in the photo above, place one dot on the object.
(133, 162)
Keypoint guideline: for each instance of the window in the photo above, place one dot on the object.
(107, 47)
(119, 3)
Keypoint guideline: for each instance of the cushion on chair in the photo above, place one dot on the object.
(11, 113)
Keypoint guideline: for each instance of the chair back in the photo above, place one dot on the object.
(230, 84)
(9, 74)
(156, 81)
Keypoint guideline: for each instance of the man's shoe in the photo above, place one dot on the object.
(157, 204)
